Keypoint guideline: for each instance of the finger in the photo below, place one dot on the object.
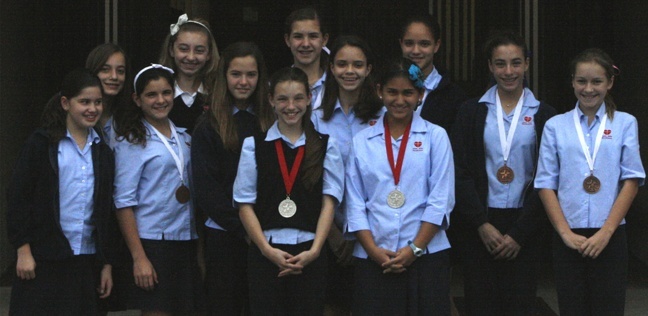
(390, 253)
(155, 277)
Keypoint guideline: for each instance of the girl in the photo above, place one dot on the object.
(420, 41)
(588, 174)
(191, 51)
(496, 140)
(306, 37)
(399, 215)
(288, 223)
(239, 109)
(59, 244)
(108, 62)
(350, 104)
(152, 199)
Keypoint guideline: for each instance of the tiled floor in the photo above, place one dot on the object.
(636, 298)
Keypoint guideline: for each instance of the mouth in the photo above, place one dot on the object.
(242, 90)
(291, 114)
(91, 117)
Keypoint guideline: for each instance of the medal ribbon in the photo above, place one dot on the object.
(581, 138)
(179, 160)
(507, 140)
(289, 180)
(396, 169)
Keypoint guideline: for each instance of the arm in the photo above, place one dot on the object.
(405, 256)
(558, 220)
(323, 226)
(106, 281)
(143, 270)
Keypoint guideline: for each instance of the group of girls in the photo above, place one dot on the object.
(321, 188)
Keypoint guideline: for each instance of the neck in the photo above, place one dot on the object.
(107, 110)
(188, 84)
(397, 126)
(509, 100)
(293, 132)
(162, 126)
(427, 72)
(313, 71)
(241, 105)
(590, 113)
(80, 135)
(348, 99)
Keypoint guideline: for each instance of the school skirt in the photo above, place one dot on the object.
(179, 287)
(62, 287)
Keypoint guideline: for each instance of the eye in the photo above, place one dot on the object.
(235, 74)
(500, 64)
(408, 92)
(150, 94)
(105, 69)
(408, 43)
(358, 64)
(98, 102)
(297, 36)
(167, 92)
(314, 35)
(341, 63)
(425, 43)
(252, 74)
(201, 50)
(121, 71)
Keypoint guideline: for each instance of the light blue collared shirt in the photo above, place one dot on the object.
(245, 185)
(427, 180)
(146, 179)
(521, 156)
(431, 83)
(76, 192)
(341, 127)
(110, 136)
(563, 167)
(317, 91)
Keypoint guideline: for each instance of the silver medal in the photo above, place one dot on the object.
(395, 199)
(287, 208)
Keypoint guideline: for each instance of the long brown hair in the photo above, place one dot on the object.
(315, 149)
(97, 58)
(221, 116)
(601, 58)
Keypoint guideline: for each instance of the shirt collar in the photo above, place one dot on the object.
(274, 134)
(319, 82)
(249, 109)
(599, 113)
(418, 126)
(529, 98)
(433, 79)
(149, 127)
(92, 137)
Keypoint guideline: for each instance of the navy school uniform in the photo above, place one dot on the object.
(442, 100)
(187, 108)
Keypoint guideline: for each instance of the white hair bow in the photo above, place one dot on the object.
(181, 20)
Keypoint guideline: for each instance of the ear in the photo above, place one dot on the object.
(490, 66)
(437, 45)
(65, 103)
(137, 100)
(325, 39)
(369, 69)
(379, 90)
(171, 52)
(611, 84)
(271, 101)
(526, 63)
(287, 39)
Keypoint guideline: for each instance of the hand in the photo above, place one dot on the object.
(381, 255)
(507, 250)
(404, 258)
(303, 259)
(490, 236)
(106, 285)
(26, 266)
(144, 273)
(280, 258)
(593, 246)
(344, 253)
(573, 241)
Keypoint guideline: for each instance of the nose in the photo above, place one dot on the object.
(113, 74)
(244, 80)
(417, 49)
(159, 99)
(191, 55)
(349, 69)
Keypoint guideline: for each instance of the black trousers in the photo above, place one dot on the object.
(301, 294)
(592, 286)
(226, 278)
(498, 287)
(423, 289)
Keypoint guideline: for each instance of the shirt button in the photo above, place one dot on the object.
(83, 168)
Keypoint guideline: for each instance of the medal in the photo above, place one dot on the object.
(505, 174)
(396, 198)
(287, 208)
(182, 194)
(591, 184)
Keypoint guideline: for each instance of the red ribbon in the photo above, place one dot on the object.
(289, 180)
(396, 169)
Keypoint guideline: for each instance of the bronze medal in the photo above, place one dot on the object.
(591, 184)
(505, 174)
(182, 194)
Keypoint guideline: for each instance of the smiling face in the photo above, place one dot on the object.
(306, 41)
(419, 45)
(350, 68)
(113, 74)
(400, 98)
(508, 65)
(290, 100)
(591, 85)
(83, 110)
(156, 101)
(242, 77)
(190, 52)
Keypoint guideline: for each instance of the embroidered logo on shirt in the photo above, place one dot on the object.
(528, 120)
(607, 134)
(418, 146)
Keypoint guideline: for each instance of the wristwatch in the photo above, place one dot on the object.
(418, 252)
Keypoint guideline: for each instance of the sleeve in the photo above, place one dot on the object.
(333, 178)
(441, 181)
(631, 167)
(469, 206)
(20, 195)
(548, 172)
(209, 186)
(129, 166)
(245, 185)
(356, 197)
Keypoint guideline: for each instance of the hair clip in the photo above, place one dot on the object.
(152, 66)
(416, 75)
(182, 20)
(616, 71)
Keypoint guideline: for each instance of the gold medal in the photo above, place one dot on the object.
(505, 174)
(591, 184)
(182, 194)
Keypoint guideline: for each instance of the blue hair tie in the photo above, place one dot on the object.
(416, 76)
